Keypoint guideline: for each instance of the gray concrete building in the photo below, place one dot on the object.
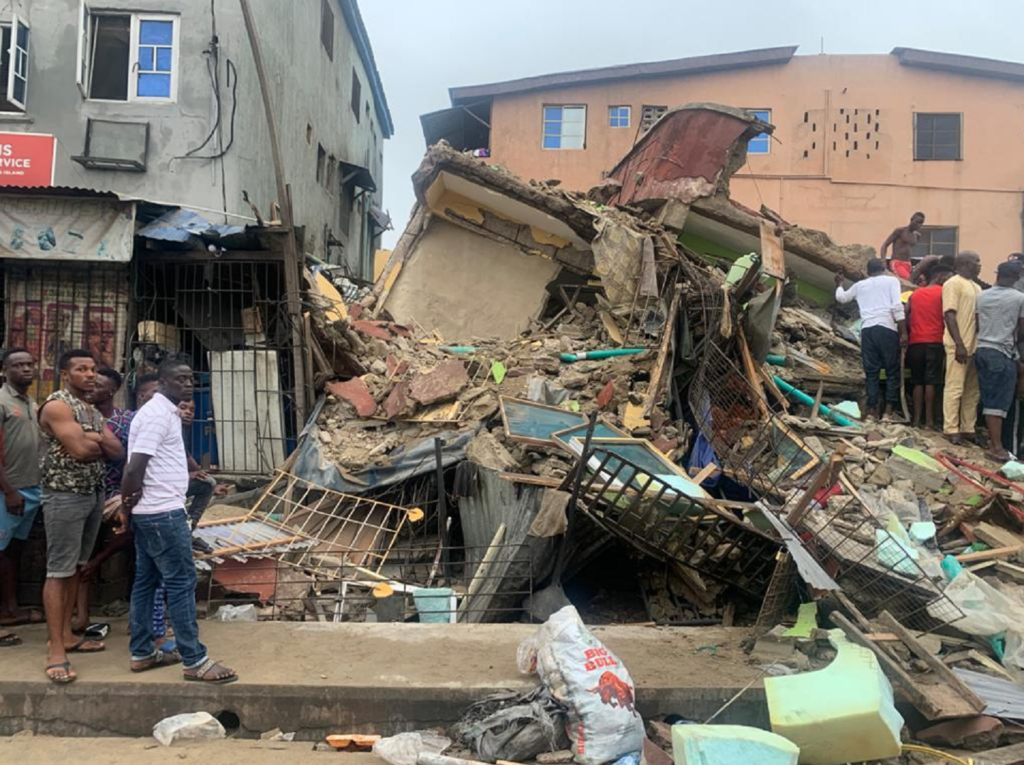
(158, 100)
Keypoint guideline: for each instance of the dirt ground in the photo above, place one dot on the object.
(47, 750)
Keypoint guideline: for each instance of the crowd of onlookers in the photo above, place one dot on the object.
(962, 344)
(88, 465)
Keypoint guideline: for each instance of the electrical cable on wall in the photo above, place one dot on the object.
(212, 68)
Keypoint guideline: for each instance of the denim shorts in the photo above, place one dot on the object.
(72, 524)
(997, 378)
(18, 526)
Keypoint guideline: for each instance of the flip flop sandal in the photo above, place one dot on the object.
(95, 631)
(9, 640)
(160, 659)
(80, 647)
(199, 674)
(68, 677)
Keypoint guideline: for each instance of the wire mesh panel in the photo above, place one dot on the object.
(749, 440)
(878, 570)
(662, 522)
(50, 309)
(230, 317)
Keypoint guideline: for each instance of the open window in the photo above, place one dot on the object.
(127, 57)
(14, 65)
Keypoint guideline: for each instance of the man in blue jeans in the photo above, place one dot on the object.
(153, 493)
(1000, 334)
(883, 331)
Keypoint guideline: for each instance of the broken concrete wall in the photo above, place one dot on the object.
(454, 280)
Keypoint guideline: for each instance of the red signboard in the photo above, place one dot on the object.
(27, 159)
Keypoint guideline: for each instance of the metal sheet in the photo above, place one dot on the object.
(1003, 698)
(810, 571)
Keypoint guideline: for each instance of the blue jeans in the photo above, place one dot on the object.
(163, 554)
(997, 378)
(880, 349)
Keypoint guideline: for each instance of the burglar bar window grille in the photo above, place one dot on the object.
(938, 136)
(230, 317)
(936, 240)
(50, 309)
(565, 127)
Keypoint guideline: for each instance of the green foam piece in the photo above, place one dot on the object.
(806, 620)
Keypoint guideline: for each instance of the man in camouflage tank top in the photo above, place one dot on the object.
(72, 481)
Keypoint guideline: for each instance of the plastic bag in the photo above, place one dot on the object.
(404, 748)
(581, 673)
(514, 727)
(989, 613)
(191, 725)
(229, 613)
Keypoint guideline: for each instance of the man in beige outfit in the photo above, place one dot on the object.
(961, 396)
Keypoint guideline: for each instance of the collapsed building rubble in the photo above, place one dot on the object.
(542, 382)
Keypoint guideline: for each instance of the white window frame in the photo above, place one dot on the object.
(83, 74)
(84, 35)
(133, 58)
(15, 54)
(629, 116)
(543, 112)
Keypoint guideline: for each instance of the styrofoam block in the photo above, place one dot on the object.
(730, 745)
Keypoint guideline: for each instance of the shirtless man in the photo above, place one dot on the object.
(72, 481)
(902, 241)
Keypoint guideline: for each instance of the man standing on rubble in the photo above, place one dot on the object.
(153, 503)
(883, 331)
(959, 305)
(902, 240)
(1000, 334)
(925, 354)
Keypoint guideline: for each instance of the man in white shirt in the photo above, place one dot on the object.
(883, 331)
(153, 493)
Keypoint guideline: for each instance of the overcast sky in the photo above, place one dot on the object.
(423, 47)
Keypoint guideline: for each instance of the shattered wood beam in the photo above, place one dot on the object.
(944, 673)
(892, 669)
(667, 345)
(824, 479)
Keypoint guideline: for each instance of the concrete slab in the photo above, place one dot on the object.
(48, 750)
(317, 678)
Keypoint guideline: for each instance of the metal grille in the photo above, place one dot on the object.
(230, 317)
(874, 569)
(50, 309)
(314, 527)
(662, 523)
(449, 585)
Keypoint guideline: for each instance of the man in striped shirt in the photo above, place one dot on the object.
(153, 494)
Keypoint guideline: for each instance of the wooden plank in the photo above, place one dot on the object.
(998, 553)
(705, 472)
(667, 338)
(941, 670)
(996, 536)
(769, 383)
(825, 477)
(479, 577)
(773, 259)
(817, 400)
(891, 668)
(1014, 572)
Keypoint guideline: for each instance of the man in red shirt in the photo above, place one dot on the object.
(925, 355)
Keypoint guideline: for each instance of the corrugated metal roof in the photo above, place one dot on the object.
(691, 65)
(67, 191)
(959, 64)
(1002, 698)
